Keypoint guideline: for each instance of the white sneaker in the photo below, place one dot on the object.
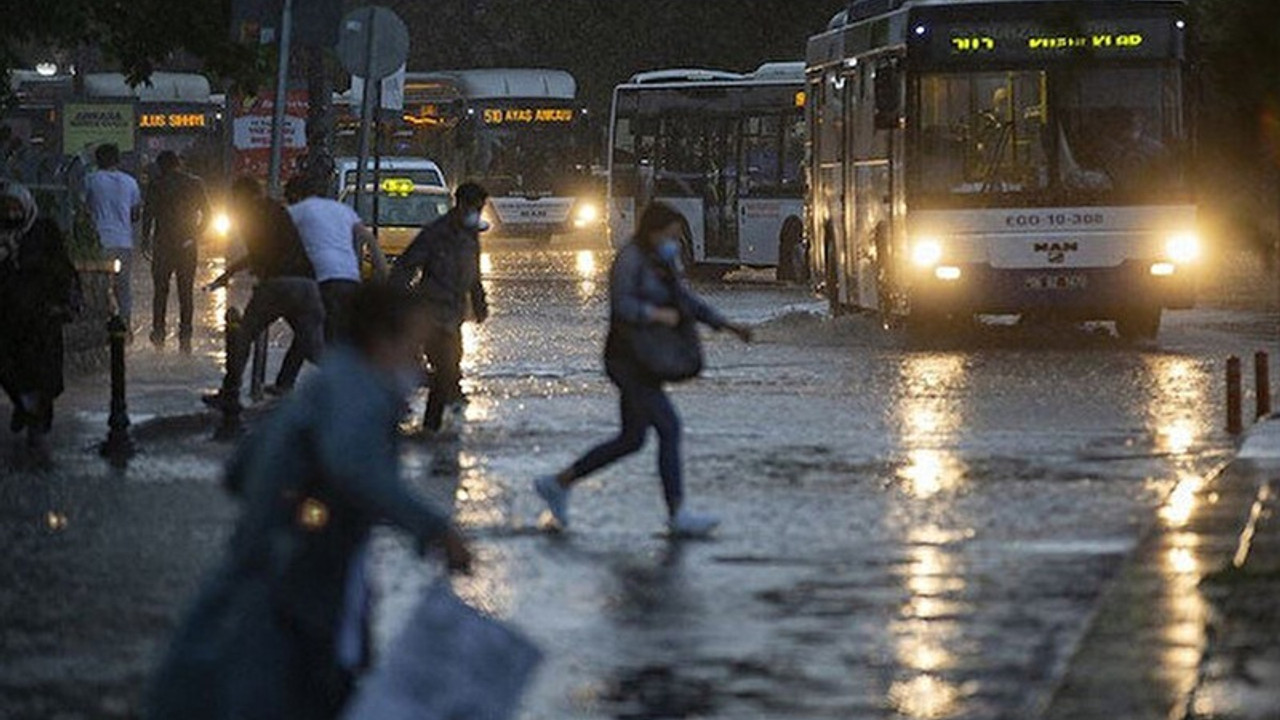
(556, 496)
(687, 524)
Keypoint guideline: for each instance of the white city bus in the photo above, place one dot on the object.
(992, 157)
(521, 132)
(726, 150)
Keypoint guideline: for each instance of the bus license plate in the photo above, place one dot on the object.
(1057, 282)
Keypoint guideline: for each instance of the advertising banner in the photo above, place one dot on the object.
(251, 133)
(88, 125)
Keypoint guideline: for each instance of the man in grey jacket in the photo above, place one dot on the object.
(282, 626)
(442, 266)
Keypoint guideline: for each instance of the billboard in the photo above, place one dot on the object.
(87, 125)
(251, 133)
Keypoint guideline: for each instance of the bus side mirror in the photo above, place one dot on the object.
(888, 97)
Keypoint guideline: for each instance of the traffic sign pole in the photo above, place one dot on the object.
(282, 99)
(366, 103)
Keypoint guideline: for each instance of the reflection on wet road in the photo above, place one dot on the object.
(910, 532)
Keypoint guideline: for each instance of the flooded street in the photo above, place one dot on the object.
(913, 532)
(909, 532)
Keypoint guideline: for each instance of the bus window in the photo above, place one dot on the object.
(982, 133)
(762, 152)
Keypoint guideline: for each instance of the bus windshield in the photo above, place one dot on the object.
(530, 161)
(1090, 135)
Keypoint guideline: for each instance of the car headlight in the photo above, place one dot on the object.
(1183, 248)
(222, 224)
(587, 214)
(927, 252)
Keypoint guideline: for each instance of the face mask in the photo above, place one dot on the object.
(669, 251)
(473, 221)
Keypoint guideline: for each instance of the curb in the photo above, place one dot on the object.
(1141, 654)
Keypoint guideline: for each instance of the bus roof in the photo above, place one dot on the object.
(775, 72)
(162, 87)
(503, 83)
(863, 9)
(868, 25)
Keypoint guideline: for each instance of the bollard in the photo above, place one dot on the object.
(1262, 383)
(118, 447)
(1235, 419)
(229, 428)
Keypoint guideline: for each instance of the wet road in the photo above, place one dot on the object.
(910, 532)
(915, 532)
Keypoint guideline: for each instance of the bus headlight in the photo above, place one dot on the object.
(221, 224)
(927, 252)
(586, 215)
(1183, 248)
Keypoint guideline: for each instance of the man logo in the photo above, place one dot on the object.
(1057, 251)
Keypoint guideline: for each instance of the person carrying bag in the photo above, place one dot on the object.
(652, 340)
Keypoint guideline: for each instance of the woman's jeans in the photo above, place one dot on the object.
(644, 405)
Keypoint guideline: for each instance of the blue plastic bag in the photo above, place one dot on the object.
(450, 662)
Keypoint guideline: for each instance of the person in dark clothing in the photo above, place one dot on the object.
(442, 265)
(645, 287)
(174, 215)
(281, 627)
(286, 286)
(39, 293)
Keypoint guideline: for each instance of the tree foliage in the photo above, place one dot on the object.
(136, 35)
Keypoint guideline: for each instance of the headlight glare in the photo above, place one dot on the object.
(1183, 248)
(927, 252)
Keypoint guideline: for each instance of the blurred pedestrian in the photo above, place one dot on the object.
(442, 265)
(174, 216)
(646, 288)
(286, 286)
(39, 293)
(282, 626)
(115, 203)
(336, 240)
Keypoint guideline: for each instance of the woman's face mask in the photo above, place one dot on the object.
(669, 251)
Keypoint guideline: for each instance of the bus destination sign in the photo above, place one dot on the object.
(527, 116)
(172, 121)
(1012, 41)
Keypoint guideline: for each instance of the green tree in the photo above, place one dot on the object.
(138, 35)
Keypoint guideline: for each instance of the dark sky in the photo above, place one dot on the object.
(603, 42)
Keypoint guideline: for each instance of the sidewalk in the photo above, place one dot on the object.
(1191, 628)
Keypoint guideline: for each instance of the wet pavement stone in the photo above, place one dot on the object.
(1190, 629)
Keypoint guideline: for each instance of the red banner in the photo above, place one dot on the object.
(251, 133)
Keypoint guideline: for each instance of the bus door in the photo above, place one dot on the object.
(769, 191)
(721, 191)
(876, 136)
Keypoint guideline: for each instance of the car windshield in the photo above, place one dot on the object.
(413, 209)
(1095, 135)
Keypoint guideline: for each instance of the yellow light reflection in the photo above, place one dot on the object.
(486, 264)
(924, 642)
(925, 697)
(929, 419)
(585, 264)
(1182, 501)
(929, 472)
(481, 502)
(1180, 392)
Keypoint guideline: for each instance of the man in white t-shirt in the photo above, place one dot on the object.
(115, 203)
(335, 239)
